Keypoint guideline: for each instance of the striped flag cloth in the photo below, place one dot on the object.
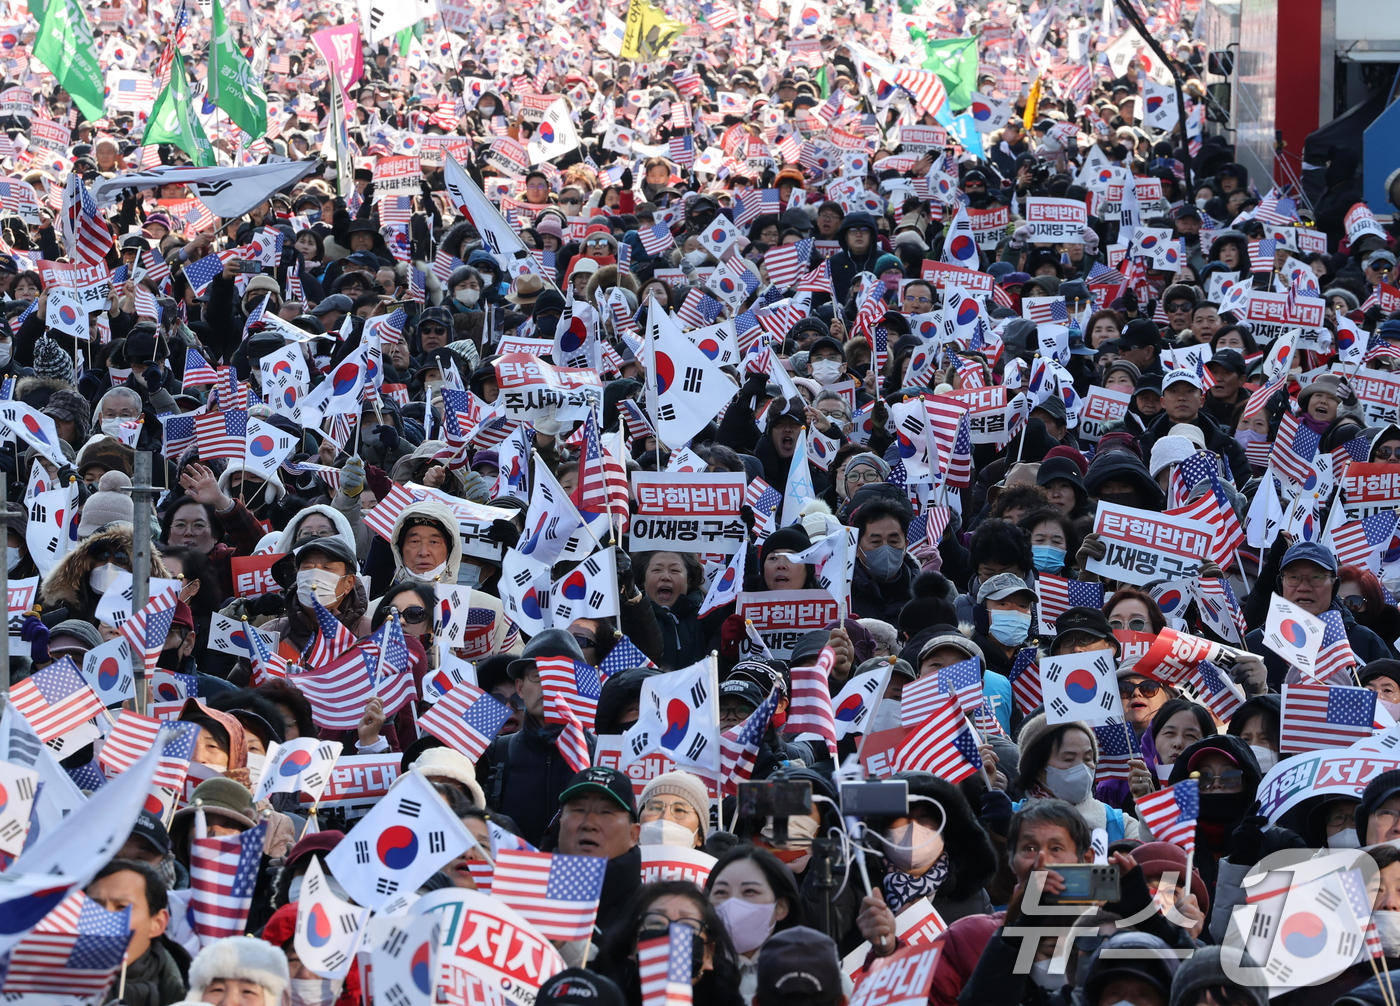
(386, 657)
(1025, 680)
(576, 682)
(266, 664)
(1216, 690)
(738, 746)
(179, 434)
(203, 271)
(1357, 449)
(943, 745)
(754, 204)
(656, 239)
(331, 640)
(56, 700)
(623, 656)
(85, 232)
(197, 370)
(681, 149)
(786, 264)
(602, 481)
(921, 699)
(717, 15)
(963, 681)
(72, 954)
(1048, 312)
(221, 434)
(337, 691)
(1318, 716)
(135, 734)
(698, 310)
(557, 893)
(1357, 541)
(810, 708)
(1058, 594)
(664, 967)
(1117, 746)
(1171, 813)
(952, 432)
(925, 87)
(1261, 254)
(1334, 655)
(1295, 446)
(817, 281)
(466, 719)
(148, 629)
(572, 741)
(223, 873)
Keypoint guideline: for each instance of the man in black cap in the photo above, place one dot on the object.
(1083, 630)
(577, 987)
(799, 967)
(1228, 369)
(528, 774)
(1183, 402)
(434, 329)
(332, 311)
(1139, 345)
(598, 817)
(1180, 303)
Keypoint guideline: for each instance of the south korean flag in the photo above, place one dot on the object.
(328, 929)
(1081, 686)
(589, 590)
(303, 765)
(403, 953)
(405, 838)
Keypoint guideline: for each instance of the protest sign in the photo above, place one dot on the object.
(918, 924)
(1143, 546)
(357, 782)
(1056, 221)
(782, 617)
(1370, 487)
(1360, 221)
(671, 862)
(397, 176)
(941, 275)
(252, 574)
(1108, 200)
(1331, 772)
(531, 388)
(1100, 407)
(1379, 392)
(920, 139)
(487, 939)
(987, 413)
(1272, 316)
(989, 225)
(901, 979)
(696, 512)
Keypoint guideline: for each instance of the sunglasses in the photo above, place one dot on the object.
(1146, 689)
(1177, 306)
(413, 613)
(431, 329)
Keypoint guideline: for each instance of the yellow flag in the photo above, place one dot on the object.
(649, 32)
(1028, 120)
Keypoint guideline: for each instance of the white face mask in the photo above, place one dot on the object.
(314, 991)
(318, 583)
(468, 297)
(7, 350)
(1266, 757)
(1347, 838)
(749, 923)
(913, 848)
(1164, 771)
(439, 570)
(255, 766)
(826, 371)
(112, 427)
(104, 576)
(1388, 928)
(1070, 784)
(14, 556)
(665, 832)
(1040, 974)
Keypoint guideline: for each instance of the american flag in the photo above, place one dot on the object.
(1216, 690)
(174, 41)
(1117, 746)
(179, 434)
(1048, 312)
(1190, 473)
(716, 15)
(681, 149)
(56, 700)
(337, 691)
(688, 81)
(266, 664)
(754, 204)
(963, 680)
(1380, 348)
(810, 709)
(1356, 541)
(698, 310)
(786, 264)
(331, 640)
(444, 266)
(203, 271)
(557, 893)
(222, 434)
(664, 967)
(925, 87)
(1058, 594)
(1261, 254)
(578, 683)
(72, 954)
(387, 658)
(466, 719)
(1171, 813)
(1334, 655)
(952, 430)
(1025, 680)
(1318, 716)
(572, 741)
(85, 232)
(943, 745)
(134, 735)
(148, 628)
(223, 872)
(157, 268)
(623, 656)
(1214, 509)
(602, 481)
(738, 746)
(1357, 449)
(656, 239)
(197, 370)
(1295, 446)
(1276, 208)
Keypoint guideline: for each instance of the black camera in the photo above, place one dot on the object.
(777, 799)
(1040, 172)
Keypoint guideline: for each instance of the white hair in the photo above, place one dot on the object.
(119, 393)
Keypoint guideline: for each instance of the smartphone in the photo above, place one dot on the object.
(774, 798)
(1085, 884)
(875, 799)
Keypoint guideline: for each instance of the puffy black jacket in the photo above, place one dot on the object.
(527, 774)
(844, 265)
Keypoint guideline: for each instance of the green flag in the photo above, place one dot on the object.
(955, 62)
(173, 120)
(232, 85)
(66, 47)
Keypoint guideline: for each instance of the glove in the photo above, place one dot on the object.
(626, 585)
(504, 532)
(36, 634)
(153, 377)
(352, 477)
(388, 437)
(1091, 242)
(1247, 840)
(1020, 236)
(1091, 548)
(476, 488)
(626, 179)
(1249, 672)
(996, 811)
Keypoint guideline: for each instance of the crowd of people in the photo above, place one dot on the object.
(443, 364)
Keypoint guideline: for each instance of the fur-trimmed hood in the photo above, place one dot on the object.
(67, 585)
(969, 848)
(243, 957)
(606, 278)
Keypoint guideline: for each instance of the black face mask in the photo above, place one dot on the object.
(170, 660)
(1122, 499)
(544, 327)
(858, 370)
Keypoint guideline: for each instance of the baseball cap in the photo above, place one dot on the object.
(1085, 620)
(150, 828)
(1002, 586)
(1310, 551)
(606, 781)
(335, 302)
(577, 986)
(1230, 359)
(799, 966)
(1181, 375)
(742, 688)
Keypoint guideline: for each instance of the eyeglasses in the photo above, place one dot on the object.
(310, 535)
(1387, 818)
(187, 527)
(585, 642)
(654, 924)
(863, 474)
(1146, 689)
(1178, 306)
(1388, 452)
(1227, 781)
(915, 299)
(1132, 624)
(678, 808)
(1341, 819)
(413, 613)
(1318, 579)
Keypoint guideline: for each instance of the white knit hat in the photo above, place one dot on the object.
(445, 763)
(684, 785)
(1169, 451)
(106, 505)
(245, 958)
